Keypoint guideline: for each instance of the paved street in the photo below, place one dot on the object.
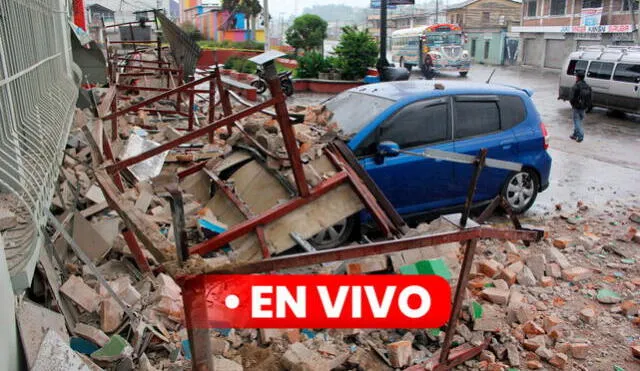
(604, 167)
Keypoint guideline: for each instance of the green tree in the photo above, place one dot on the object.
(307, 32)
(356, 51)
(191, 30)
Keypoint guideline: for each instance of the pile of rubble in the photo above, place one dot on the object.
(549, 304)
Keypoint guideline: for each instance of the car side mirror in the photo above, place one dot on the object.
(386, 149)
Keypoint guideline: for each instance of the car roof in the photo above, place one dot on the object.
(419, 89)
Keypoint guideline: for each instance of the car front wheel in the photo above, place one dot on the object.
(520, 190)
(336, 235)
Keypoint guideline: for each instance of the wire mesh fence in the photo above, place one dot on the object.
(37, 96)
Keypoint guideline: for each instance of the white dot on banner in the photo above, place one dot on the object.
(232, 301)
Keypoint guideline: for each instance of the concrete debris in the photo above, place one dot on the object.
(567, 301)
(56, 355)
(81, 293)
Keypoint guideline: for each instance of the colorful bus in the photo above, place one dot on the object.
(432, 48)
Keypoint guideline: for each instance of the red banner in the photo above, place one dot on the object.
(316, 301)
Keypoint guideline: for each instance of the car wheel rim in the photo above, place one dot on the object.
(329, 236)
(520, 190)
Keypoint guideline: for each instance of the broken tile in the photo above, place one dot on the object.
(91, 333)
(114, 350)
(34, 321)
(95, 194)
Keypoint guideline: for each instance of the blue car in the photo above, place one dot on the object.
(453, 116)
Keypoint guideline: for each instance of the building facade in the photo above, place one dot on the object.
(551, 29)
(220, 25)
(486, 24)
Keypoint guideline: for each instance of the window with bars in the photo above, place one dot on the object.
(591, 4)
(634, 4)
(557, 7)
(531, 8)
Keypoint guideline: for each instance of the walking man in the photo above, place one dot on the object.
(580, 101)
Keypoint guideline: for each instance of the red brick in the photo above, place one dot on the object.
(508, 276)
(546, 282)
(562, 242)
(489, 268)
(635, 350)
(559, 361)
(534, 364)
(575, 274)
(588, 315)
(532, 328)
(629, 308)
(110, 315)
(81, 294)
(580, 350)
(550, 322)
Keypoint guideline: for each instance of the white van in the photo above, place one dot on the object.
(613, 72)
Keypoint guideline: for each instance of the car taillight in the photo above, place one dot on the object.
(545, 134)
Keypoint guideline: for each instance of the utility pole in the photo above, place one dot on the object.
(383, 62)
(266, 25)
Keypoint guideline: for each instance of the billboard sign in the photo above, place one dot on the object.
(590, 17)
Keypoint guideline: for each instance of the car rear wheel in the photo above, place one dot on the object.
(463, 74)
(336, 235)
(520, 190)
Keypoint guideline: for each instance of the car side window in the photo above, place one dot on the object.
(600, 70)
(512, 111)
(417, 124)
(576, 66)
(475, 117)
(627, 73)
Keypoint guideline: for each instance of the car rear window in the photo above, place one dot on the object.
(476, 118)
(576, 66)
(353, 111)
(512, 111)
(627, 73)
(600, 70)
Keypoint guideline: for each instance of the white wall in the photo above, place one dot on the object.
(9, 351)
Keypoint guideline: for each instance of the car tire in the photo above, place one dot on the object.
(336, 235)
(287, 88)
(463, 74)
(520, 190)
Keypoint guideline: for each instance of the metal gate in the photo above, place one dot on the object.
(554, 53)
(37, 96)
(511, 51)
(530, 52)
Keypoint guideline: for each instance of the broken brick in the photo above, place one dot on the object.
(537, 263)
(219, 346)
(534, 364)
(553, 270)
(496, 295)
(81, 294)
(532, 328)
(513, 355)
(368, 265)
(486, 355)
(629, 308)
(562, 242)
(508, 276)
(111, 315)
(489, 268)
(534, 343)
(575, 274)
(580, 350)
(635, 350)
(399, 353)
(516, 267)
(550, 322)
(559, 361)
(526, 277)
(554, 255)
(588, 315)
(299, 357)
(544, 353)
(546, 282)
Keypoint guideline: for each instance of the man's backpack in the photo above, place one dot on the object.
(584, 96)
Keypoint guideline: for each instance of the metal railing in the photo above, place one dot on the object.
(37, 99)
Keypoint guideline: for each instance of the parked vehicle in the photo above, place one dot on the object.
(432, 48)
(451, 116)
(285, 82)
(613, 72)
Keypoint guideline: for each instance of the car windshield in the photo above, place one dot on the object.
(353, 111)
(444, 39)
